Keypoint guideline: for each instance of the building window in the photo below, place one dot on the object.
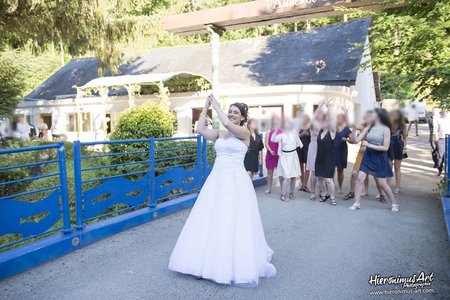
(72, 122)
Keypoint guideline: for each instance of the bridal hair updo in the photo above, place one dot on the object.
(243, 108)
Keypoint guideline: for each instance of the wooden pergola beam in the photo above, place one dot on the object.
(259, 13)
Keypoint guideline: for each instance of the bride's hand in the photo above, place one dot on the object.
(207, 103)
(215, 104)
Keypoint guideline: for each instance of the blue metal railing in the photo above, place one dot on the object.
(131, 174)
(109, 178)
(34, 195)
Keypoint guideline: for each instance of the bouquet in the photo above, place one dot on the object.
(320, 64)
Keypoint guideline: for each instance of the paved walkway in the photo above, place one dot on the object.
(321, 252)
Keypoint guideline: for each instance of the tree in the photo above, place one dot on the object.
(78, 26)
(413, 42)
(11, 86)
(397, 87)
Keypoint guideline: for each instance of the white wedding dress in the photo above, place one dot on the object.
(223, 238)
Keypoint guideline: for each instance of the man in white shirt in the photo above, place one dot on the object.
(441, 128)
(413, 118)
(23, 129)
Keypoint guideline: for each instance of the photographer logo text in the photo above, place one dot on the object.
(418, 280)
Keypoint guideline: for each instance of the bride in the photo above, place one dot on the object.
(223, 238)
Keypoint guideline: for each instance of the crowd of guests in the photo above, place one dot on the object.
(315, 149)
(25, 131)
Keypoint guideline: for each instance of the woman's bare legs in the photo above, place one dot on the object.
(382, 183)
(359, 185)
(340, 179)
(302, 175)
(313, 180)
(353, 178)
(366, 186)
(285, 186)
(293, 181)
(398, 174)
(329, 182)
(321, 182)
(269, 180)
(250, 173)
(353, 181)
(305, 178)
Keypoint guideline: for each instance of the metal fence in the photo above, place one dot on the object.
(41, 193)
(34, 196)
(114, 177)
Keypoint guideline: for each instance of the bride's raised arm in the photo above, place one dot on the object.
(241, 132)
(209, 134)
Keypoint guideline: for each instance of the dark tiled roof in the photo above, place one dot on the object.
(273, 60)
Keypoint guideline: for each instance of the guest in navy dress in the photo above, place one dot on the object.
(340, 147)
(325, 161)
(375, 160)
(397, 148)
(253, 155)
(305, 137)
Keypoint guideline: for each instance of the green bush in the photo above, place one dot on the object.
(23, 158)
(145, 121)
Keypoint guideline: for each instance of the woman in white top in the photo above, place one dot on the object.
(288, 164)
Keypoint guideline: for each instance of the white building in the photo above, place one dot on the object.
(273, 75)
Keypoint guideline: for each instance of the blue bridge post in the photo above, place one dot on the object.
(63, 188)
(78, 185)
(152, 172)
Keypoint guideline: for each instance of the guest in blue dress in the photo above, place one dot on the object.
(375, 160)
(397, 149)
(340, 148)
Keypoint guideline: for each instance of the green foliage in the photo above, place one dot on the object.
(24, 158)
(412, 42)
(10, 86)
(32, 69)
(397, 87)
(148, 120)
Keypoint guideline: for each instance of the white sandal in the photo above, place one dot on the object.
(394, 208)
(355, 206)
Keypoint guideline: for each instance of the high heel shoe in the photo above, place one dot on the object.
(267, 191)
(324, 198)
(355, 206)
(349, 196)
(283, 198)
(291, 196)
